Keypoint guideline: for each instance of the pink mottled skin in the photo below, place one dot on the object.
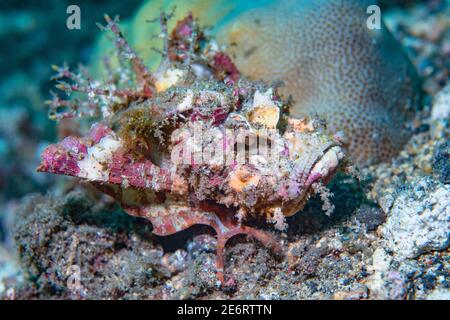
(63, 158)
(56, 159)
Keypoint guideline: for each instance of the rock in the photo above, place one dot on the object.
(441, 163)
(370, 216)
(61, 239)
(385, 283)
(419, 220)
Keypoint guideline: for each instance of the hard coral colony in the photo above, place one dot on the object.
(193, 142)
(334, 66)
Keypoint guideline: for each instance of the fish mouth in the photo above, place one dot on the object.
(322, 171)
(326, 166)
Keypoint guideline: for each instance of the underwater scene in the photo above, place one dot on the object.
(225, 149)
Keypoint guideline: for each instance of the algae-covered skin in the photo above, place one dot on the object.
(358, 80)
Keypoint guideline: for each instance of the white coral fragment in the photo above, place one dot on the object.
(92, 167)
(264, 111)
(167, 79)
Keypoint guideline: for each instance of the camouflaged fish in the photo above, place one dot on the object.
(193, 142)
